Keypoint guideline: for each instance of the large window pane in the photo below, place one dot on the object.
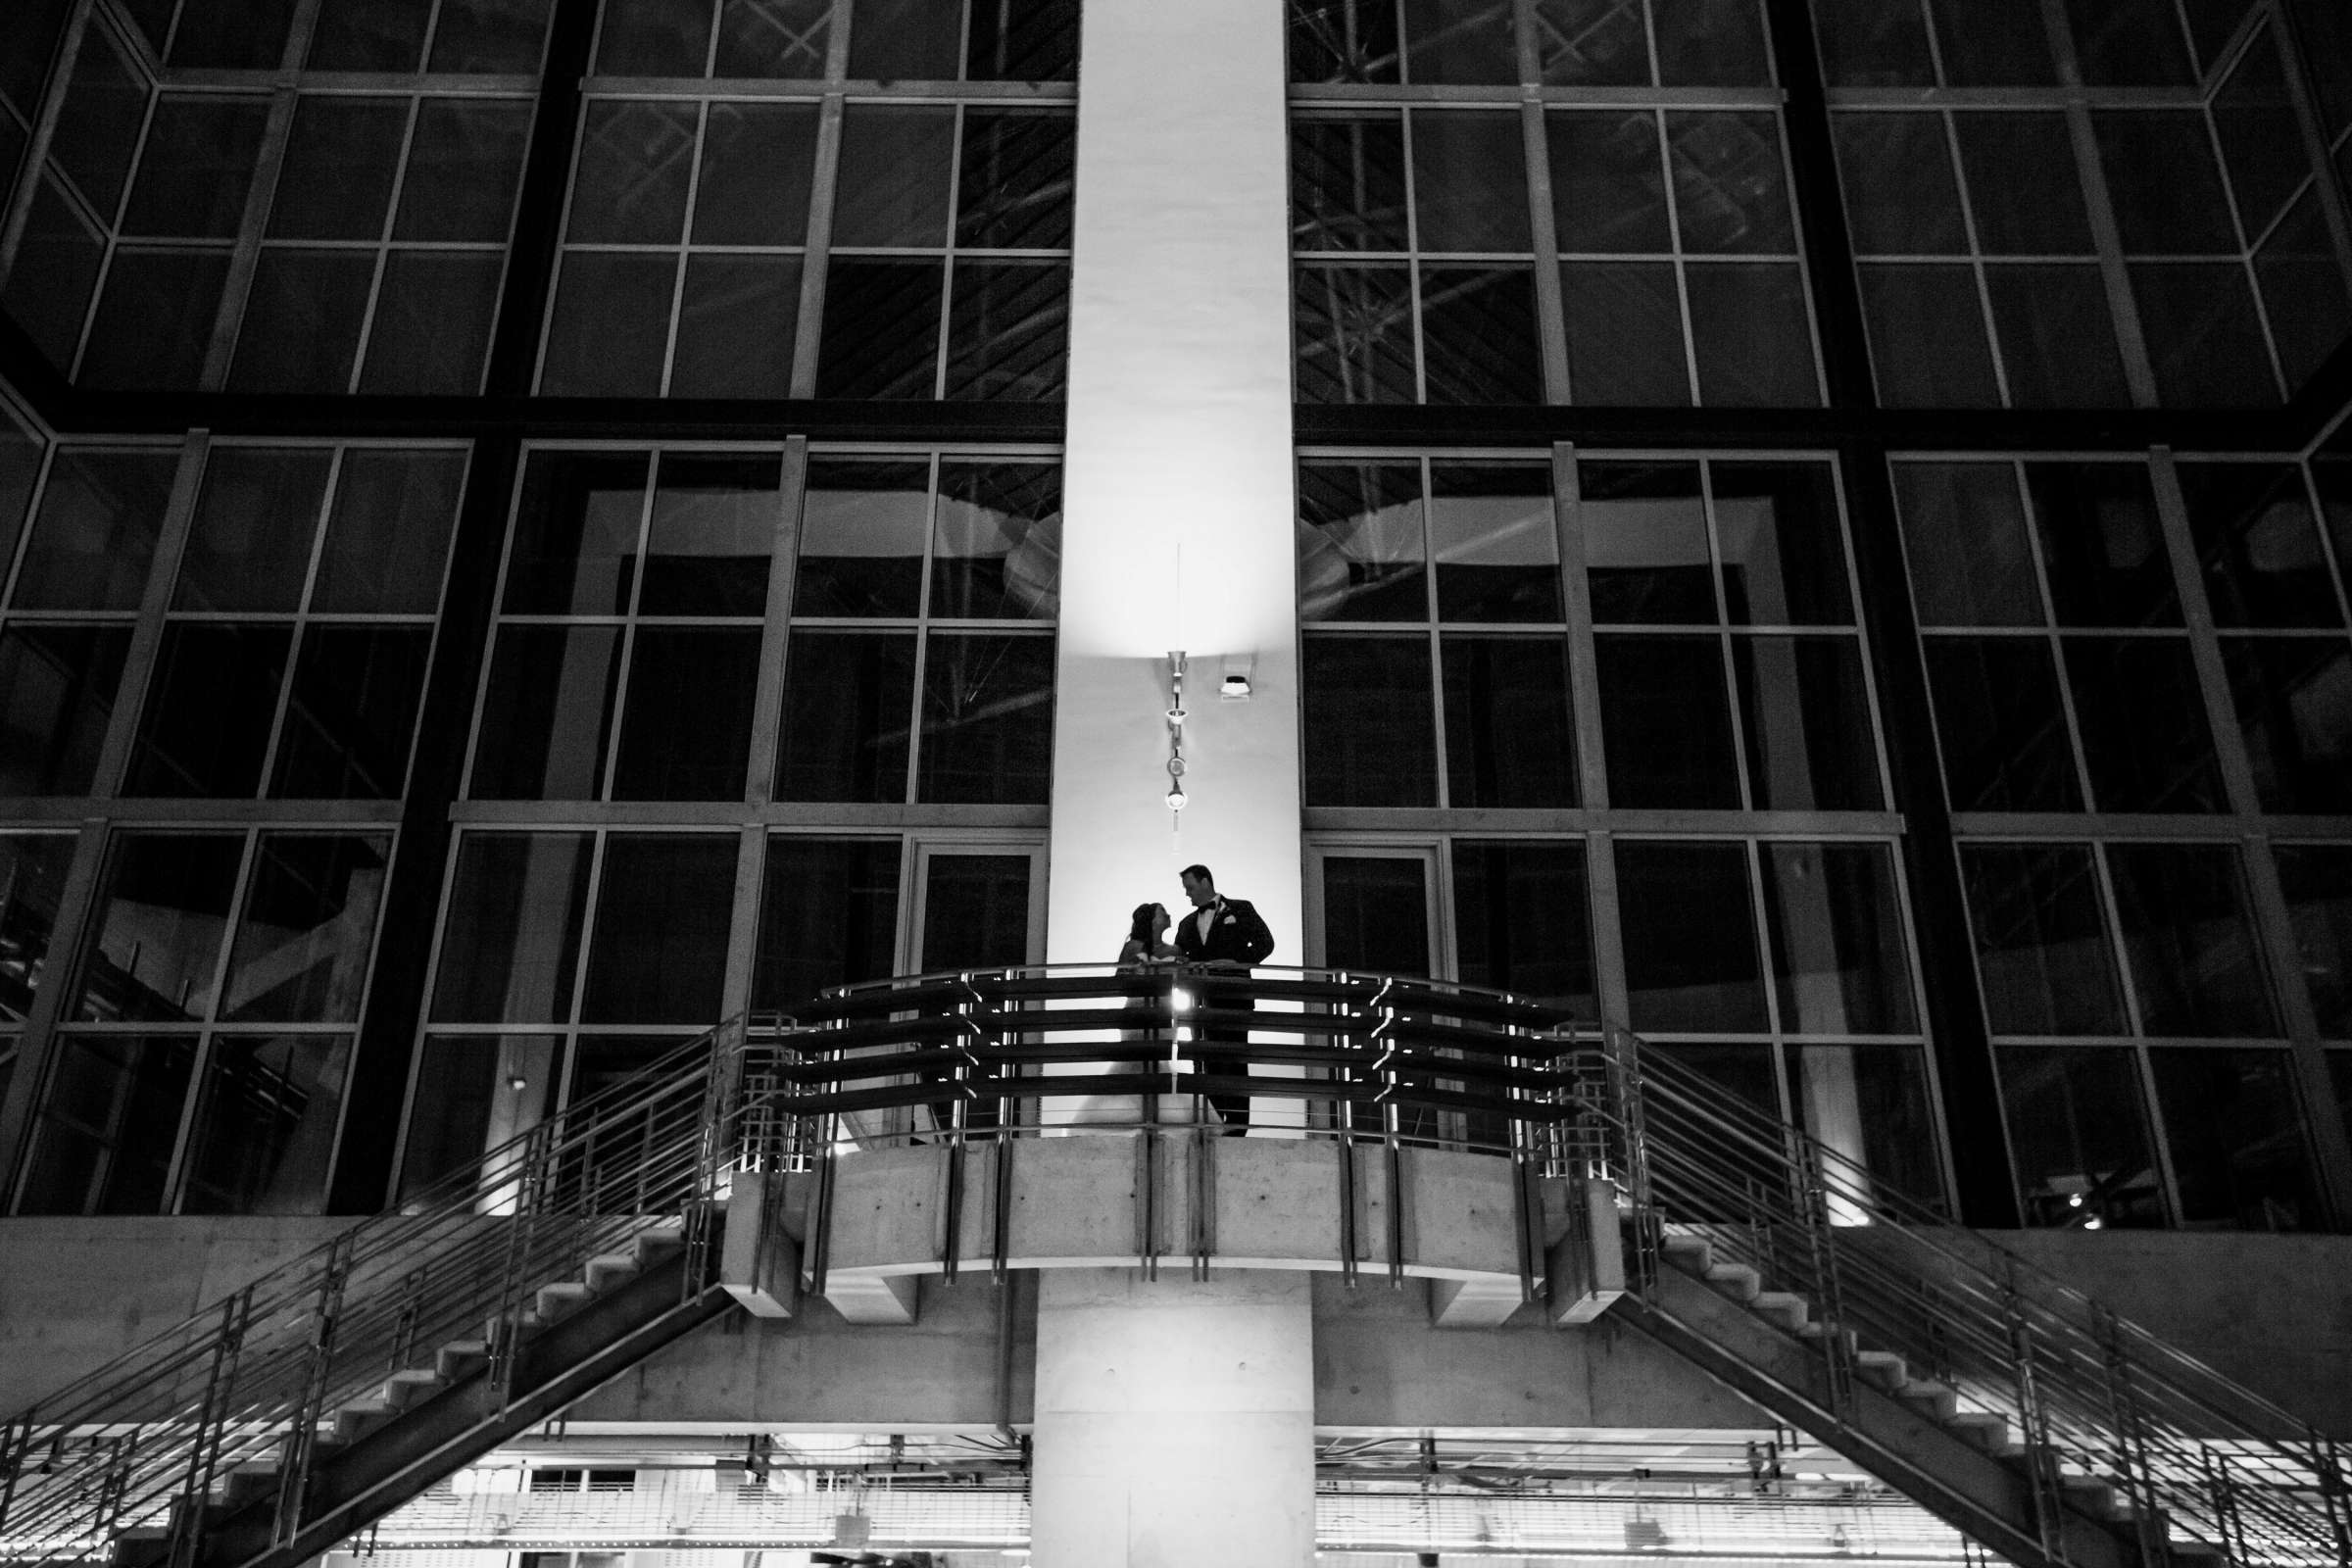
(757, 172)
(1478, 335)
(902, 40)
(1343, 41)
(1013, 180)
(1710, 43)
(635, 162)
(2101, 544)
(302, 948)
(575, 535)
(2317, 882)
(2021, 185)
(2204, 334)
(1508, 738)
(1368, 727)
(975, 911)
(510, 942)
(662, 914)
(32, 878)
(881, 327)
(610, 334)
(1497, 542)
(686, 728)
(105, 1140)
(1348, 184)
(1601, 43)
(2191, 938)
(2002, 725)
(737, 317)
(1840, 963)
(387, 543)
(1008, 331)
(995, 551)
(1522, 920)
(863, 527)
(2144, 737)
(301, 331)
(1730, 190)
(654, 38)
(1870, 1106)
(1460, 41)
(2160, 168)
(2057, 336)
(491, 37)
(547, 714)
(57, 696)
(96, 530)
(2041, 940)
(1927, 336)
(1647, 556)
(1376, 913)
(713, 529)
(210, 711)
(433, 312)
(198, 165)
(164, 911)
(249, 547)
(464, 169)
(987, 719)
(1964, 530)
(1354, 334)
(1360, 550)
(473, 1093)
(2294, 708)
(893, 186)
(1690, 961)
(1469, 182)
(828, 916)
(2237, 1143)
(1752, 337)
(1608, 187)
(1807, 726)
(342, 158)
(1625, 333)
(849, 706)
(2259, 545)
(1784, 556)
(772, 37)
(2079, 1135)
(1666, 726)
(266, 1121)
(1900, 196)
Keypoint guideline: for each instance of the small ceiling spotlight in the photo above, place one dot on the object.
(519, 1082)
(1238, 668)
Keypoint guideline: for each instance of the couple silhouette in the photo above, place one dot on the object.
(1217, 933)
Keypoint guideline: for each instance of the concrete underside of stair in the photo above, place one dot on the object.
(2272, 1311)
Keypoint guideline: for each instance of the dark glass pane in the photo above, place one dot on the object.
(2317, 883)
(1840, 963)
(265, 1121)
(903, 40)
(342, 157)
(382, 35)
(387, 541)
(32, 879)
(1900, 196)
(736, 327)
(662, 914)
(975, 911)
(849, 703)
(1927, 337)
(1460, 41)
(1497, 542)
(2021, 184)
(104, 1142)
(351, 712)
(757, 172)
(1730, 190)
(2144, 737)
(1754, 344)
(2203, 334)
(164, 911)
(1522, 920)
(654, 37)
(48, 290)
(302, 324)
(1783, 558)
(2325, 33)
(249, 547)
(1594, 44)
(1469, 181)
(1369, 732)
(205, 727)
(1808, 732)
(106, 104)
(231, 34)
(2259, 544)
(2260, 142)
(893, 187)
(57, 695)
(96, 529)
(2332, 476)
(547, 714)
(1690, 961)
(2057, 337)
(2101, 545)
(2078, 1137)
(2167, 187)
(197, 168)
(490, 37)
(881, 329)
(21, 455)
(2042, 947)
(2303, 289)
(1994, 43)
(1608, 187)
(1344, 40)
(686, 729)
(1478, 335)
(611, 331)
(1666, 726)
(828, 916)
(1015, 181)
(987, 719)
(635, 162)
(433, 312)
(154, 323)
(2130, 43)
(863, 527)
(1348, 184)
(1964, 530)
(1625, 333)
(2294, 708)
(1009, 331)
(475, 1094)
(1361, 556)
(1870, 1106)
(1645, 543)
(575, 534)
(302, 948)
(772, 37)
(511, 940)
(1508, 738)
(713, 529)
(2190, 940)
(2002, 725)
(1873, 43)
(996, 552)
(1376, 913)
(29, 35)
(1710, 43)
(2236, 1139)
(464, 167)
(1354, 327)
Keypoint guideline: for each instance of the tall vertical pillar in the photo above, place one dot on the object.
(1178, 476)
(1175, 1422)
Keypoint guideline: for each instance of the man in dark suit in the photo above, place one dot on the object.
(1222, 933)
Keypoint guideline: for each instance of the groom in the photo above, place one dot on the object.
(1222, 933)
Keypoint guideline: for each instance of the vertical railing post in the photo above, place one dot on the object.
(2224, 1504)
(302, 1432)
(1625, 1095)
(212, 1418)
(506, 1327)
(2328, 1462)
(15, 1446)
(2033, 1421)
(1838, 1345)
(2129, 1437)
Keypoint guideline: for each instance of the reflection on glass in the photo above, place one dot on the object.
(1964, 530)
(249, 546)
(1348, 184)
(464, 169)
(636, 158)
(1343, 41)
(302, 948)
(1900, 196)
(2101, 545)
(387, 541)
(996, 545)
(903, 40)
(96, 529)
(1999, 719)
(576, 535)
(975, 911)
(510, 942)
(103, 1144)
(1807, 729)
(1469, 182)
(57, 696)
(987, 718)
(266, 1121)
(2318, 881)
(1625, 333)
(654, 38)
(757, 171)
(210, 709)
(1751, 335)
(2190, 938)
(1497, 542)
(849, 707)
(881, 327)
(737, 316)
(1601, 43)
(662, 914)
(1784, 556)
(1645, 543)
(2259, 545)
(1369, 732)
(1376, 913)
(1666, 723)
(2236, 1139)
(2144, 737)
(1478, 335)
(1361, 551)
(713, 529)
(1608, 184)
(686, 728)
(772, 37)
(473, 1093)
(490, 37)
(164, 912)
(1710, 43)
(2041, 940)
(1015, 181)
(1354, 334)
(1460, 41)
(351, 712)
(1730, 190)
(893, 186)
(1691, 959)
(33, 877)
(1522, 920)
(1008, 331)
(610, 333)
(1508, 740)
(863, 527)
(547, 714)
(1870, 1106)
(2294, 708)
(2079, 1135)
(1839, 960)
(1927, 336)
(2021, 184)
(828, 916)
(2057, 336)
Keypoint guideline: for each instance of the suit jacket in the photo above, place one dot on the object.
(1235, 933)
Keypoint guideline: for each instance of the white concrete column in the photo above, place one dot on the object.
(1178, 487)
(1175, 1422)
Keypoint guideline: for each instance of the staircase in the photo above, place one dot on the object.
(2017, 1409)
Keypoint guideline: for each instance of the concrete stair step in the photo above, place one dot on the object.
(1884, 1369)
(1739, 1281)
(609, 1269)
(1938, 1401)
(461, 1358)
(1692, 1252)
(1988, 1430)
(554, 1301)
(403, 1389)
(659, 1241)
(356, 1420)
(2094, 1495)
(1784, 1308)
(250, 1483)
